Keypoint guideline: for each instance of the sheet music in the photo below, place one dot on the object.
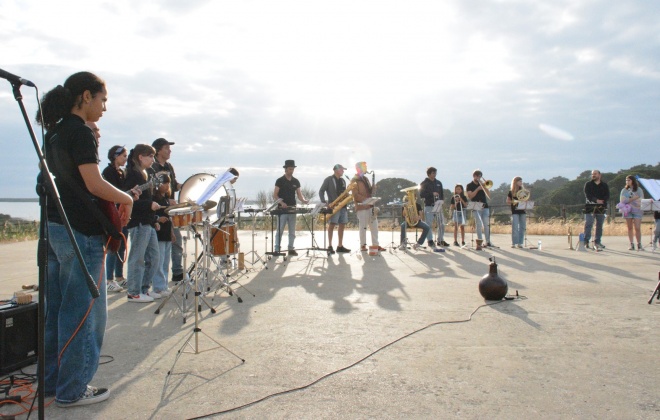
(370, 201)
(239, 204)
(652, 186)
(525, 205)
(475, 205)
(317, 208)
(274, 205)
(437, 207)
(650, 205)
(214, 187)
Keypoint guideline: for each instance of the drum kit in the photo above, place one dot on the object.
(205, 210)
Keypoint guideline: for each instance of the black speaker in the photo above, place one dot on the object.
(18, 337)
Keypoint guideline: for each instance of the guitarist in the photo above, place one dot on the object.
(143, 253)
(75, 322)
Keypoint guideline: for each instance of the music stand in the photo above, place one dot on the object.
(526, 205)
(474, 206)
(268, 211)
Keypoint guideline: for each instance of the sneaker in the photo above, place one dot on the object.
(381, 249)
(443, 243)
(177, 277)
(488, 244)
(92, 395)
(631, 247)
(519, 246)
(293, 253)
(403, 247)
(141, 298)
(415, 246)
(639, 247)
(114, 287)
(363, 248)
(456, 243)
(331, 250)
(513, 246)
(155, 295)
(123, 283)
(342, 249)
(600, 245)
(462, 243)
(431, 244)
(164, 293)
(586, 245)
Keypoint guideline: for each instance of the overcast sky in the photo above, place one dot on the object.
(529, 88)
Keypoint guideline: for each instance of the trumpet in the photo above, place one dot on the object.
(486, 185)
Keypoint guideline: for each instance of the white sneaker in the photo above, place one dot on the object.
(165, 293)
(141, 298)
(403, 247)
(114, 287)
(415, 246)
(154, 295)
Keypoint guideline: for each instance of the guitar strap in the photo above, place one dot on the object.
(90, 204)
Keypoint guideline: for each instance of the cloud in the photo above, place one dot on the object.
(556, 133)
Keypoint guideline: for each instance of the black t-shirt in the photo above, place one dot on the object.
(458, 204)
(481, 195)
(165, 232)
(514, 210)
(75, 145)
(114, 176)
(287, 190)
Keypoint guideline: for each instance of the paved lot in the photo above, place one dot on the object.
(399, 335)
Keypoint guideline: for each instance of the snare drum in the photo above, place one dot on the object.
(224, 241)
(185, 216)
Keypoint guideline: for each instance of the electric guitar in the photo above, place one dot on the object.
(111, 211)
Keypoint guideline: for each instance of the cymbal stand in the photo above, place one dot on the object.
(195, 349)
(395, 223)
(254, 253)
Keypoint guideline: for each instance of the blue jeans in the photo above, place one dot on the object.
(177, 252)
(285, 220)
(426, 229)
(429, 216)
(518, 227)
(114, 267)
(482, 219)
(142, 259)
(163, 267)
(588, 225)
(67, 301)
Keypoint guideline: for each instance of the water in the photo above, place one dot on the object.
(22, 210)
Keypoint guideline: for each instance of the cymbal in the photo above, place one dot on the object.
(209, 204)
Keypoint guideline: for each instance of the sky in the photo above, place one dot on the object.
(512, 87)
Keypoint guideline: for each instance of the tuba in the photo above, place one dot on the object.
(410, 206)
(340, 202)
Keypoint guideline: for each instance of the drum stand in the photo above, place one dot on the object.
(253, 252)
(223, 281)
(184, 282)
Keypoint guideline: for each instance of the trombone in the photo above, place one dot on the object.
(486, 186)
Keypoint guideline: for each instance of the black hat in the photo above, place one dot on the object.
(159, 143)
(289, 163)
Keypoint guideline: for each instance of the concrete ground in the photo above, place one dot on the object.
(398, 335)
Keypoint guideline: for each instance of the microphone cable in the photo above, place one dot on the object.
(368, 356)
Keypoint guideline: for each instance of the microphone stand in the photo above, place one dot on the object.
(47, 185)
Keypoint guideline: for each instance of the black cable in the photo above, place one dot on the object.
(300, 388)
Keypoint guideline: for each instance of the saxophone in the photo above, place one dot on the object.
(410, 206)
(339, 203)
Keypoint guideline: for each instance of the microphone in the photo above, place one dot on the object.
(15, 79)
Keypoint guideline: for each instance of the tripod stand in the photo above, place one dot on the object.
(254, 253)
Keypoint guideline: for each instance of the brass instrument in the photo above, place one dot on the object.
(486, 185)
(522, 195)
(410, 206)
(340, 202)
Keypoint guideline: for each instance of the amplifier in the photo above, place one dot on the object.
(18, 337)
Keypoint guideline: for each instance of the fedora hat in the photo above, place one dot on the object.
(289, 163)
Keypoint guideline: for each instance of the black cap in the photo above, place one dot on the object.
(289, 163)
(159, 143)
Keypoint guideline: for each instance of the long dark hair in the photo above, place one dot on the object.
(58, 103)
(133, 161)
(635, 185)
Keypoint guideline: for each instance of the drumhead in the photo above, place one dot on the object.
(195, 186)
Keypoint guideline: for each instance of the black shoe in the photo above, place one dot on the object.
(488, 244)
(462, 243)
(293, 253)
(177, 277)
(456, 243)
(443, 243)
(342, 249)
(431, 244)
(600, 245)
(331, 250)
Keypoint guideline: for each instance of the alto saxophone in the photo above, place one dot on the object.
(339, 203)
